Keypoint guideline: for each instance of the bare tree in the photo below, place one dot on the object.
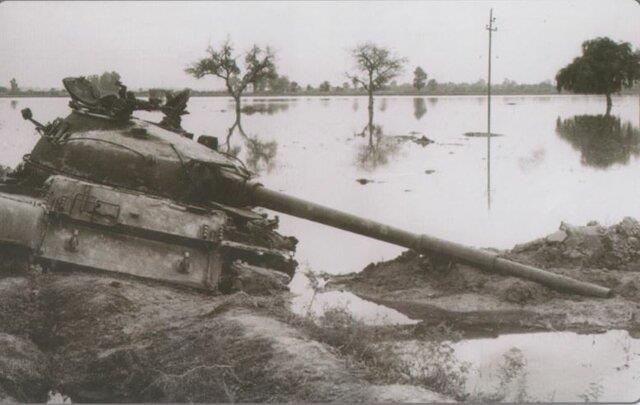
(259, 64)
(375, 67)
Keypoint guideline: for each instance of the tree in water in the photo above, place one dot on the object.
(419, 78)
(259, 65)
(375, 67)
(14, 86)
(605, 67)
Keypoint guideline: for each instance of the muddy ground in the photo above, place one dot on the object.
(101, 339)
(478, 303)
(98, 338)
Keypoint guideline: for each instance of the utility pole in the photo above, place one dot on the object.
(491, 29)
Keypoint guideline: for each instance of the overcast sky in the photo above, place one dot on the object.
(150, 43)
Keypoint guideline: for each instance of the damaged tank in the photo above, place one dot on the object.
(104, 190)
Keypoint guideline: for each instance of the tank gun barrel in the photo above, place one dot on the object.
(273, 200)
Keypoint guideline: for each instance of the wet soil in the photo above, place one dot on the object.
(100, 339)
(478, 303)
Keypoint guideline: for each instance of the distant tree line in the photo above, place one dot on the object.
(106, 83)
(606, 67)
(433, 88)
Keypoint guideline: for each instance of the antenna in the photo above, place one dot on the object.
(489, 27)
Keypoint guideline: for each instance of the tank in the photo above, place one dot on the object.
(103, 190)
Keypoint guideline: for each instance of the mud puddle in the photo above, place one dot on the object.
(554, 366)
(54, 397)
(540, 367)
(306, 302)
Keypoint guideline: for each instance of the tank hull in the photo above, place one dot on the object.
(92, 226)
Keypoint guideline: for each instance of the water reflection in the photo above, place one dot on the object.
(355, 105)
(378, 150)
(14, 104)
(265, 108)
(607, 361)
(601, 140)
(383, 105)
(419, 107)
(532, 160)
(260, 155)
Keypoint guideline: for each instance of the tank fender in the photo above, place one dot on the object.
(22, 221)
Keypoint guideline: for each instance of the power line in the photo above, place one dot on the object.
(491, 30)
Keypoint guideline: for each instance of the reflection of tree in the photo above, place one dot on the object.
(355, 105)
(265, 108)
(419, 107)
(260, 155)
(14, 104)
(378, 150)
(383, 105)
(602, 140)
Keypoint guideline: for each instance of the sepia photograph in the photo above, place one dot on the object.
(427, 201)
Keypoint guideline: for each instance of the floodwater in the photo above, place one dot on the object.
(556, 161)
(522, 367)
(556, 366)
(537, 367)
(309, 302)
(542, 172)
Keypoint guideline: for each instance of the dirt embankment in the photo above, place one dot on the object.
(478, 303)
(100, 339)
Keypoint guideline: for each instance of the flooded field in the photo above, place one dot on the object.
(545, 367)
(542, 173)
(556, 160)
(555, 367)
